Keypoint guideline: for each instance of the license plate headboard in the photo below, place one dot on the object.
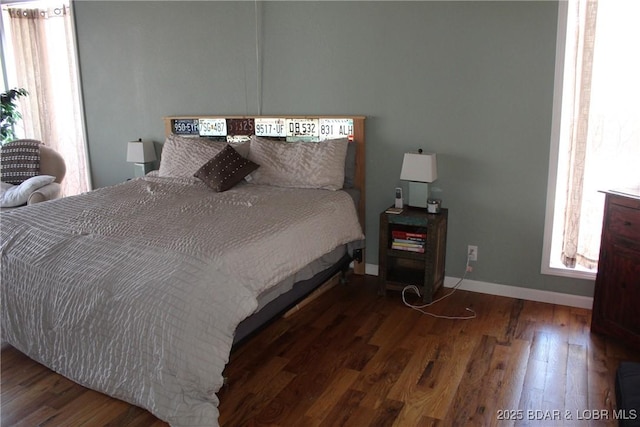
(282, 127)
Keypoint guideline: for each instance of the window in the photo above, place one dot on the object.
(596, 128)
(39, 55)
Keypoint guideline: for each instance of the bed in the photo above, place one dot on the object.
(140, 290)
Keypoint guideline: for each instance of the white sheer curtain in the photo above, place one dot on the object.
(45, 61)
(601, 118)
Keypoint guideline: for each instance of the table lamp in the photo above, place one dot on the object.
(419, 169)
(142, 154)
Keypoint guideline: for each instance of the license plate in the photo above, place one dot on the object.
(306, 128)
(185, 126)
(336, 128)
(238, 139)
(213, 127)
(270, 127)
(240, 126)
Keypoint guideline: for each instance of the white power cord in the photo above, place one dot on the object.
(420, 308)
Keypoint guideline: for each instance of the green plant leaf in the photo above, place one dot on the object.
(10, 114)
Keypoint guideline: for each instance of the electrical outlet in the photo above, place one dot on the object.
(472, 253)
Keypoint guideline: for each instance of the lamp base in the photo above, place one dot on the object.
(141, 169)
(418, 194)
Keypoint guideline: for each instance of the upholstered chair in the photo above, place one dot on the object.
(25, 158)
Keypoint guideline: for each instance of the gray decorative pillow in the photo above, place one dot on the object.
(183, 156)
(19, 160)
(225, 170)
(350, 165)
(299, 164)
(241, 146)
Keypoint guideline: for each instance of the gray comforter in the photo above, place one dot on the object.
(135, 290)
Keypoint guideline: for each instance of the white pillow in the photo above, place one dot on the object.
(183, 156)
(299, 164)
(16, 195)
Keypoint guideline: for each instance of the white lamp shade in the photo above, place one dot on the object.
(419, 167)
(141, 152)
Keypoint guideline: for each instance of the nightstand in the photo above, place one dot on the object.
(412, 251)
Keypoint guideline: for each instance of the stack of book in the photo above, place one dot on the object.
(408, 241)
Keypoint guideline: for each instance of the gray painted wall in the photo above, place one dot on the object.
(472, 81)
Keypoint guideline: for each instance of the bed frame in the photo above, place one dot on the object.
(244, 126)
(241, 126)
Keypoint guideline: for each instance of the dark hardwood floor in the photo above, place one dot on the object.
(352, 358)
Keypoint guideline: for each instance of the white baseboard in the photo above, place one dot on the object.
(509, 291)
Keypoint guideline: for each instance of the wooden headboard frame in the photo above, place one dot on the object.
(358, 138)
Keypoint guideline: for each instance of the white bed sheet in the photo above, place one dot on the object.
(135, 290)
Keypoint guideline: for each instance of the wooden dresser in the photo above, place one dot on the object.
(616, 300)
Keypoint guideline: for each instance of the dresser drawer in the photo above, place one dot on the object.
(624, 222)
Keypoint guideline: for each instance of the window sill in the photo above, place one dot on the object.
(575, 273)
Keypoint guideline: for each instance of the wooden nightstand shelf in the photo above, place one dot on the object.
(399, 268)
